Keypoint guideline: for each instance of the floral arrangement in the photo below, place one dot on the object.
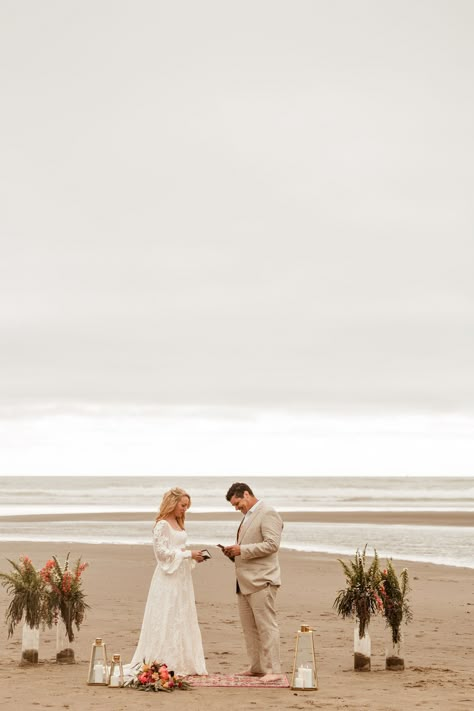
(360, 598)
(157, 677)
(394, 599)
(28, 592)
(65, 597)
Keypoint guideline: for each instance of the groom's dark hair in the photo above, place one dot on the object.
(238, 488)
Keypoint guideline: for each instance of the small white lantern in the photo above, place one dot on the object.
(305, 676)
(98, 671)
(116, 672)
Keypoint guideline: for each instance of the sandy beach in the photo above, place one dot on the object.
(439, 643)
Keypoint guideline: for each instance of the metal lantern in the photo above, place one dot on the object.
(305, 675)
(116, 671)
(98, 671)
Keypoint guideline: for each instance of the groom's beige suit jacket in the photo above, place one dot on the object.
(259, 537)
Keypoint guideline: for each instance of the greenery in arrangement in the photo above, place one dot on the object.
(65, 596)
(394, 599)
(360, 598)
(28, 592)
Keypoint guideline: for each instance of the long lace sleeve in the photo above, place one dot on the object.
(168, 556)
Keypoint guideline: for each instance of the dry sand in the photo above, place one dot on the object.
(439, 646)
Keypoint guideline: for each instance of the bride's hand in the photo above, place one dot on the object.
(197, 556)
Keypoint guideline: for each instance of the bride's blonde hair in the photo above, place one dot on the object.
(169, 502)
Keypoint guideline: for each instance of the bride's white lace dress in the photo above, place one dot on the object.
(170, 630)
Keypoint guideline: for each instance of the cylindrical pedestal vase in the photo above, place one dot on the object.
(30, 644)
(394, 660)
(361, 650)
(64, 647)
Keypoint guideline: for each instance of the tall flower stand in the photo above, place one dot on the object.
(64, 646)
(30, 644)
(362, 649)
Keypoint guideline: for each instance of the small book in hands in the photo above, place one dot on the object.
(205, 554)
(230, 557)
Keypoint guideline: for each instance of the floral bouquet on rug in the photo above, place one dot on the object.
(156, 677)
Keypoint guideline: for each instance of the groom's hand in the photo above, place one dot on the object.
(232, 551)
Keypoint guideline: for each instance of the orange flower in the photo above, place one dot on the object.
(67, 582)
(81, 569)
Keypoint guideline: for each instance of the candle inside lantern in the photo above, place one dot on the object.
(99, 673)
(307, 677)
(299, 682)
(115, 680)
(302, 676)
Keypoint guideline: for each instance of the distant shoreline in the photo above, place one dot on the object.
(412, 518)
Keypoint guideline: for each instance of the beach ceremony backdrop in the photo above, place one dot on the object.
(237, 245)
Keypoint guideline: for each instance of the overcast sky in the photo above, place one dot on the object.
(262, 202)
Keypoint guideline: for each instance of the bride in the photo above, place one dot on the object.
(170, 630)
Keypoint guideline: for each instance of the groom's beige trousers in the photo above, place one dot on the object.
(262, 637)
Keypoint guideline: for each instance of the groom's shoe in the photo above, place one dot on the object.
(248, 672)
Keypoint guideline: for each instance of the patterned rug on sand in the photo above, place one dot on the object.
(231, 680)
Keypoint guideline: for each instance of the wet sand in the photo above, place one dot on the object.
(427, 518)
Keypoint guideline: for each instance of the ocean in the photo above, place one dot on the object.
(449, 545)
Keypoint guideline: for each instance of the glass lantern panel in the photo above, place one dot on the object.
(116, 673)
(98, 665)
(305, 664)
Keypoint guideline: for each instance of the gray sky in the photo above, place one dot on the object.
(237, 203)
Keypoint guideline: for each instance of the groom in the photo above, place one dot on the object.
(258, 578)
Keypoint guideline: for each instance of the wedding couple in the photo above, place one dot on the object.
(170, 630)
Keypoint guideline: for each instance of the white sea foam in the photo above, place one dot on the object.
(447, 545)
(29, 495)
(75, 495)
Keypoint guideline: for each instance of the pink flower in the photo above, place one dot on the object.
(81, 569)
(45, 571)
(67, 582)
